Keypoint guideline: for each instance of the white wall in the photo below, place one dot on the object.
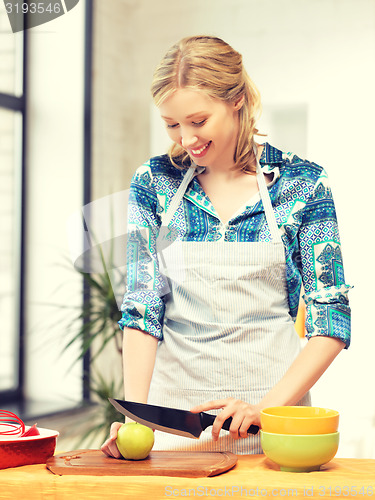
(316, 56)
(54, 191)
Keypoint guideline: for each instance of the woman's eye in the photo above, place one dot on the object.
(199, 124)
(172, 126)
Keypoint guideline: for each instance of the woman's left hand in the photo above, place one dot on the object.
(243, 415)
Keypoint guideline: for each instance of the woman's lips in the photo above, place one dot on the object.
(201, 151)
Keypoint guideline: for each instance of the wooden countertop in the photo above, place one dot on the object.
(253, 476)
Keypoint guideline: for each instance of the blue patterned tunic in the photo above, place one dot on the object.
(305, 213)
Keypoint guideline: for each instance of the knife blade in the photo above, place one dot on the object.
(172, 420)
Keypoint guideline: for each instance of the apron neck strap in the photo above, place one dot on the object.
(266, 200)
(178, 196)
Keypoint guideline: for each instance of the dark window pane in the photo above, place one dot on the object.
(10, 57)
(10, 205)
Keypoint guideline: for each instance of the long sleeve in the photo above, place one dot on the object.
(143, 306)
(326, 294)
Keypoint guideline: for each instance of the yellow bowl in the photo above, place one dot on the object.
(299, 420)
(299, 453)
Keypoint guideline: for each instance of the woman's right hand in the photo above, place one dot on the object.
(109, 447)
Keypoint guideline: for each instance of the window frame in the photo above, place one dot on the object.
(19, 104)
(16, 104)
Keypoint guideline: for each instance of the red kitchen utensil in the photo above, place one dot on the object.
(21, 445)
(27, 450)
(33, 431)
(11, 424)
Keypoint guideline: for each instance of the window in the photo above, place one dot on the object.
(12, 107)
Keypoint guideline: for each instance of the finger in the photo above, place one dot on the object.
(105, 449)
(114, 430)
(114, 451)
(242, 431)
(233, 409)
(219, 421)
(235, 425)
(210, 405)
(110, 449)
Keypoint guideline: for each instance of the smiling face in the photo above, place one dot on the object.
(206, 128)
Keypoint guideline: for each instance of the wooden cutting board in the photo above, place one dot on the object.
(158, 463)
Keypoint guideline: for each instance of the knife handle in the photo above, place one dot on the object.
(207, 420)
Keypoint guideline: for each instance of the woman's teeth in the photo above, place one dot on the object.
(199, 151)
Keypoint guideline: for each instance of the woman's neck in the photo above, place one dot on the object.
(226, 172)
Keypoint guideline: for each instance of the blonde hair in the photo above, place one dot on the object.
(210, 65)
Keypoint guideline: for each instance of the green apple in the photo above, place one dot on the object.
(135, 441)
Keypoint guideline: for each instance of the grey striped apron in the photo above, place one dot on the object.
(227, 328)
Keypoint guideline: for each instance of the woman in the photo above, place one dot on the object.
(222, 234)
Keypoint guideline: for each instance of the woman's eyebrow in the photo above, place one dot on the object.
(188, 116)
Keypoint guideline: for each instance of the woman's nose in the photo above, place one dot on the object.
(187, 140)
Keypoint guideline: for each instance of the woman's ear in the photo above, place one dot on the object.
(239, 102)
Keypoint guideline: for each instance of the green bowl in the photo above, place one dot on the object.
(299, 452)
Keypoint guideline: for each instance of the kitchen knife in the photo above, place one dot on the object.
(174, 421)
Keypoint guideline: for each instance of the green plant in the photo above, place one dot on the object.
(97, 327)
(105, 413)
(99, 315)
